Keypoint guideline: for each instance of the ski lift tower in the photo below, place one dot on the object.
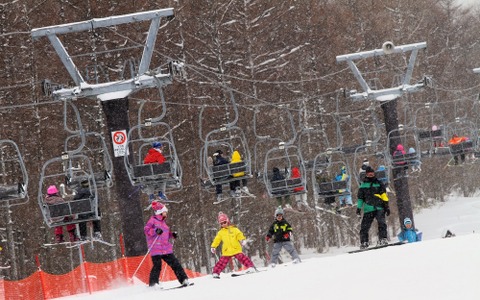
(114, 97)
(388, 98)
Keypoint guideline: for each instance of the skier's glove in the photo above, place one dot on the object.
(286, 235)
(359, 212)
(212, 250)
(387, 211)
(159, 231)
(267, 238)
(174, 234)
(244, 244)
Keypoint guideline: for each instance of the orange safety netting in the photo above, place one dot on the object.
(86, 278)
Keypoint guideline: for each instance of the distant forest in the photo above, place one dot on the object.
(269, 67)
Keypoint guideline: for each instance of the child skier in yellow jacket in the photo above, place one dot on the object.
(232, 241)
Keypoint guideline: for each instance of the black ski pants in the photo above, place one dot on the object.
(172, 261)
(367, 223)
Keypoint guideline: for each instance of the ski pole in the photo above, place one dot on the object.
(149, 249)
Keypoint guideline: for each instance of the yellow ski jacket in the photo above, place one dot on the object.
(235, 159)
(230, 237)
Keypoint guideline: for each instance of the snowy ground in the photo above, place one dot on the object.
(440, 269)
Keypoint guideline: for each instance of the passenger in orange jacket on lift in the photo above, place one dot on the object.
(455, 140)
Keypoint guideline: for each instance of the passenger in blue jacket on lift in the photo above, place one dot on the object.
(409, 233)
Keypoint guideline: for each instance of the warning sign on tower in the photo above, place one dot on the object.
(119, 141)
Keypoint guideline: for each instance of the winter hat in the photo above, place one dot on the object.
(222, 217)
(157, 145)
(159, 208)
(407, 221)
(411, 150)
(365, 161)
(52, 190)
(279, 211)
(369, 170)
(400, 147)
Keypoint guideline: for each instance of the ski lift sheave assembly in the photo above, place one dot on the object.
(66, 210)
(13, 174)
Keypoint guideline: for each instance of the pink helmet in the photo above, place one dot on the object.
(52, 190)
(222, 217)
(158, 207)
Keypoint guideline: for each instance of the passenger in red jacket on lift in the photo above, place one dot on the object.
(155, 156)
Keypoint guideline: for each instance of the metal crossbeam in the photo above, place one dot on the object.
(388, 93)
(114, 89)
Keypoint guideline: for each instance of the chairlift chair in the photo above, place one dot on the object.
(284, 157)
(13, 174)
(57, 171)
(407, 137)
(227, 139)
(326, 167)
(310, 142)
(96, 149)
(466, 128)
(376, 157)
(430, 130)
(153, 176)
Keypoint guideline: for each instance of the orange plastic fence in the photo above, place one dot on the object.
(86, 278)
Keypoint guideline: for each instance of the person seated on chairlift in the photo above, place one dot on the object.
(218, 159)
(400, 152)
(456, 140)
(415, 163)
(235, 184)
(155, 156)
(346, 198)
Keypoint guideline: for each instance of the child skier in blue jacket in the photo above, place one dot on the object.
(409, 234)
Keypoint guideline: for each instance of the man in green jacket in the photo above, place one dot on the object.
(372, 197)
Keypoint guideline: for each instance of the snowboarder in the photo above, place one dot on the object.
(53, 197)
(155, 156)
(281, 231)
(373, 199)
(232, 240)
(408, 233)
(159, 240)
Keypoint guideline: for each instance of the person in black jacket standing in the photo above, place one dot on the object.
(372, 197)
(281, 230)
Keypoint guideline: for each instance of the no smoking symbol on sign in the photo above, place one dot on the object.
(119, 141)
(119, 137)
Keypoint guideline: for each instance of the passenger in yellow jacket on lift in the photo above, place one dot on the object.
(235, 185)
(232, 240)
